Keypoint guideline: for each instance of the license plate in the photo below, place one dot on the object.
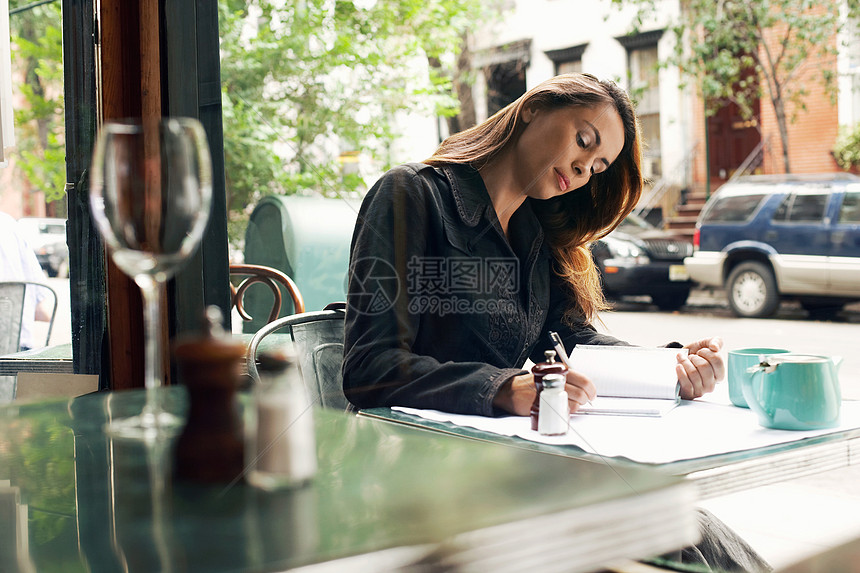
(678, 273)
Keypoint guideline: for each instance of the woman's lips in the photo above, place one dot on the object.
(563, 182)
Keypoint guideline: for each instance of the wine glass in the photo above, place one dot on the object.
(150, 196)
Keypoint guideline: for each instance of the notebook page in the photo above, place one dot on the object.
(629, 371)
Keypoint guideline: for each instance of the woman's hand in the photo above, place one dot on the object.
(703, 367)
(517, 394)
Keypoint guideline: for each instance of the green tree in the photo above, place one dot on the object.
(721, 45)
(37, 54)
(307, 82)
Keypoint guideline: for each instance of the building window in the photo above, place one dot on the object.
(505, 83)
(644, 88)
(567, 60)
(505, 73)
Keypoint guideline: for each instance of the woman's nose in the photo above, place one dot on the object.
(583, 165)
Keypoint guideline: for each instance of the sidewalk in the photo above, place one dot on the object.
(792, 520)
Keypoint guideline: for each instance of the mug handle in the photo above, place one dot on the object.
(748, 391)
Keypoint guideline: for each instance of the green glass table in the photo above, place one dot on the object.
(386, 496)
(713, 475)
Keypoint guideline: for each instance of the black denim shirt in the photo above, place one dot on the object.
(441, 308)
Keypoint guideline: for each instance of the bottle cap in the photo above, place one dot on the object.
(553, 381)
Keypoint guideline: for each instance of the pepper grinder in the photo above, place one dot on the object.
(211, 446)
(540, 370)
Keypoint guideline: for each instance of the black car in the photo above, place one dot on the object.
(640, 259)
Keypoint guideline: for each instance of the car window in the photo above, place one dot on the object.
(802, 207)
(850, 210)
(733, 208)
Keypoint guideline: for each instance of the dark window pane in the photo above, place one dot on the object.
(808, 207)
(733, 208)
(850, 211)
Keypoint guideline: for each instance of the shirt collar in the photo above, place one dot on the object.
(470, 193)
(473, 200)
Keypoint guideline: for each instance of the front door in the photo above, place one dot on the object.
(731, 139)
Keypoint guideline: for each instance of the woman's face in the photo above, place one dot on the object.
(560, 149)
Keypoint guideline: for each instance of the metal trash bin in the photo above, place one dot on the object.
(308, 238)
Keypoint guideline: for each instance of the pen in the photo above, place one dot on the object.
(561, 352)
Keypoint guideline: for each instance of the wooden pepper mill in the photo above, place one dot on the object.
(211, 447)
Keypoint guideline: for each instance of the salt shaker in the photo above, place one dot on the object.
(540, 370)
(281, 445)
(554, 410)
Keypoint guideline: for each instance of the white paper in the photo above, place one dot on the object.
(695, 429)
(612, 406)
(629, 371)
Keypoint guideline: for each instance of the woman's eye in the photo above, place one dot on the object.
(580, 141)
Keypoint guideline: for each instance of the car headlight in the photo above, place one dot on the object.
(625, 253)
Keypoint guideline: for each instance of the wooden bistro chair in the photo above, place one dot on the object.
(318, 342)
(270, 277)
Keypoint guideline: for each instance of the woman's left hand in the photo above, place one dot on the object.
(701, 369)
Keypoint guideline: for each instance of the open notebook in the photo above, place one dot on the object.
(630, 380)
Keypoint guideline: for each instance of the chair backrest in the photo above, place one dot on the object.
(318, 341)
(270, 277)
(12, 297)
(11, 314)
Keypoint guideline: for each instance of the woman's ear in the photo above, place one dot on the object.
(528, 113)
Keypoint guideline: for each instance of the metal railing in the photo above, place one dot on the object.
(752, 161)
(653, 197)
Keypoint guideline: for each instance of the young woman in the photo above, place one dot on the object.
(461, 265)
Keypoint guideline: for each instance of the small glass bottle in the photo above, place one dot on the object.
(540, 370)
(281, 448)
(554, 409)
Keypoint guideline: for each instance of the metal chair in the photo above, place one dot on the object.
(270, 277)
(12, 297)
(318, 341)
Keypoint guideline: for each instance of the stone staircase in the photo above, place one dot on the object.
(683, 222)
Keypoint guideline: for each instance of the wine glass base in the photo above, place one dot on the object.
(145, 426)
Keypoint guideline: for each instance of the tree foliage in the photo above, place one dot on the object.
(744, 51)
(307, 83)
(37, 54)
(846, 150)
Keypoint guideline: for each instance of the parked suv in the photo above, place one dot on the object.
(766, 238)
(640, 259)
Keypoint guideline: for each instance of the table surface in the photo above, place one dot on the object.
(714, 475)
(79, 499)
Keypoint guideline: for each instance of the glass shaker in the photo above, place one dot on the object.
(554, 414)
(540, 370)
(281, 445)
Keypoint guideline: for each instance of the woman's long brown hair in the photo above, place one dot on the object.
(574, 220)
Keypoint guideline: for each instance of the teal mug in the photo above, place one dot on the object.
(739, 361)
(794, 391)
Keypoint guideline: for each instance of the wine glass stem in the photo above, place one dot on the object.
(152, 304)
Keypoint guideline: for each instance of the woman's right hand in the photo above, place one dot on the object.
(517, 394)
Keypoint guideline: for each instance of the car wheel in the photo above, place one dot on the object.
(670, 301)
(752, 290)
